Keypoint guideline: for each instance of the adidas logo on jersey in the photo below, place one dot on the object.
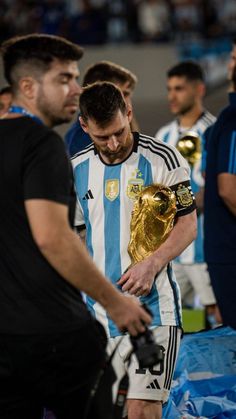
(154, 385)
(88, 195)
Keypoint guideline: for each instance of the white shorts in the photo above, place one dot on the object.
(194, 280)
(152, 383)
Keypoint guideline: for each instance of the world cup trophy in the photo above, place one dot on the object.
(152, 221)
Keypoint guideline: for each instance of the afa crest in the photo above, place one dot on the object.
(134, 187)
(112, 189)
(184, 196)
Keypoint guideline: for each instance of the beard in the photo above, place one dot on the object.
(183, 110)
(119, 153)
(113, 155)
(52, 113)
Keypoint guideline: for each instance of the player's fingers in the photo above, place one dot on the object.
(136, 327)
(145, 293)
(128, 285)
(138, 292)
(123, 279)
(145, 290)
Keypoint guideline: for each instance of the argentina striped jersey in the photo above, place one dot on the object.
(105, 195)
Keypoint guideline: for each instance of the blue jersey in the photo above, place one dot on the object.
(170, 134)
(106, 195)
(220, 223)
(76, 139)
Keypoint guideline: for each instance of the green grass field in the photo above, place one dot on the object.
(193, 320)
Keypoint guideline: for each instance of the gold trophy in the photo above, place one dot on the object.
(151, 221)
(189, 145)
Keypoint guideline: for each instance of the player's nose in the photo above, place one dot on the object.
(112, 143)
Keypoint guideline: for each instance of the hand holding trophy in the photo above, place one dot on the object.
(152, 220)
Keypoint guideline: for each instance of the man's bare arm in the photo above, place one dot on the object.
(199, 196)
(183, 233)
(63, 249)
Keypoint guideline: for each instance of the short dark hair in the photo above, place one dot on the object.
(101, 101)
(189, 69)
(5, 89)
(108, 71)
(37, 51)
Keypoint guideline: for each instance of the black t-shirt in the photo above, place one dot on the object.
(34, 298)
(220, 225)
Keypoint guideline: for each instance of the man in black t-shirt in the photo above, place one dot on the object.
(220, 204)
(50, 348)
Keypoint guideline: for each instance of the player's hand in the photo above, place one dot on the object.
(129, 315)
(138, 280)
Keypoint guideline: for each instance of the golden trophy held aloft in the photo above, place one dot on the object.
(189, 145)
(151, 221)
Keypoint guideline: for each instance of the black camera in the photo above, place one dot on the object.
(147, 351)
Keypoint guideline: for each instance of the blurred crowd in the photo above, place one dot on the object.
(96, 22)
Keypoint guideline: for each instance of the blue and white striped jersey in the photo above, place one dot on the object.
(106, 195)
(170, 134)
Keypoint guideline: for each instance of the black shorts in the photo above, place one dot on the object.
(52, 371)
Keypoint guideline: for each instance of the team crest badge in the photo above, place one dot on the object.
(184, 196)
(134, 187)
(112, 189)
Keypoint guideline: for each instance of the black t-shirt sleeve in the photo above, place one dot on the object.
(46, 171)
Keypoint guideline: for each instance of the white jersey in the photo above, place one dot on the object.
(170, 134)
(106, 194)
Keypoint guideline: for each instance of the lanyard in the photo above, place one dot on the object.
(22, 111)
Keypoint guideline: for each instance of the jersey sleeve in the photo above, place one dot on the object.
(79, 216)
(46, 170)
(178, 180)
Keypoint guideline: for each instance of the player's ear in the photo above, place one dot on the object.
(129, 113)
(201, 89)
(83, 124)
(28, 87)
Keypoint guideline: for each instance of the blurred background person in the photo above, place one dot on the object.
(88, 21)
(154, 20)
(187, 18)
(76, 139)
(5, 99)
(186, 90)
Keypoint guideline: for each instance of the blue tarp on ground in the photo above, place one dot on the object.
(204, 384)
(205, 377)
